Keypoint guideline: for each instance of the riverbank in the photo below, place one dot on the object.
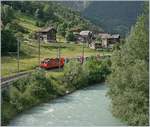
(9, 110)
(39, 87)
(74, 109)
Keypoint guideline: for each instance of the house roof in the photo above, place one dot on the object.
(104, 35)
(75, 29)
(115, 36)
(47, 29)
(85, 33)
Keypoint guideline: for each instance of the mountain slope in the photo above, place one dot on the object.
(112, 16)
(46, 13)
(76, 5)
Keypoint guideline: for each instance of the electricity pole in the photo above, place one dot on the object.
(39, 51)
(83, 50)
(59, 56)
(103, 51)
(18, 55)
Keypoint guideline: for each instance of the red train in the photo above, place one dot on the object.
(48, 63)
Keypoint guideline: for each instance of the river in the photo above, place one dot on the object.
(86, 107)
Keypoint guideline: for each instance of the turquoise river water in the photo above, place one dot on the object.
(86, 107)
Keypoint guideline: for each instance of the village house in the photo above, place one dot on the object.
(87, 36)
(78, 38)
(115, 38)
(106, 41)
(95, 45)
(82, 36)
(48, 34)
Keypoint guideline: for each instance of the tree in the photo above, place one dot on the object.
(129, 80)
(69, 36)
(48, 12)
(8, 42)
(15, 27)
(62, 29)
(38, 13)
(75, 75)
(7, 14)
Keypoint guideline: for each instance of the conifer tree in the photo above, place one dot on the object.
(129, 80)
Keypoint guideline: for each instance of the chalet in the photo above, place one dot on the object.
(48, 34)
(86, 35)
(115, 38)
(105, 38)
(107, 41)
(95, 45)
(78, 38)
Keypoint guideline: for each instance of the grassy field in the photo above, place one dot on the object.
(29, 55)
(27, 22)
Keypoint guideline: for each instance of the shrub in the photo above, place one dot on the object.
(75, 75)
(97, 70)
(30, 90)
(39, 23)
(69, 36)
(7, 112)
(59, 87)
(16, 98)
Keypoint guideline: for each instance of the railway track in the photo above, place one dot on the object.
(5, 81)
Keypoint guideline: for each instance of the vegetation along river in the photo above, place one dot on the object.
(86, 107)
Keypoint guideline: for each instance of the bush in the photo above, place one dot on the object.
(92, 71)
(97, 70)
(16, 99)
(62, 29)
(7, 113)
(69, 36)
(75, 75)
(29, 91)
(39, 24)
(59, 87)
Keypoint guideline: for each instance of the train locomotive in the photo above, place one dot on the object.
(48, 63)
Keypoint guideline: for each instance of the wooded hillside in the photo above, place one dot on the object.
(23, 18)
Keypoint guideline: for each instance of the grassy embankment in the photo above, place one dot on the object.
(29, 49)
